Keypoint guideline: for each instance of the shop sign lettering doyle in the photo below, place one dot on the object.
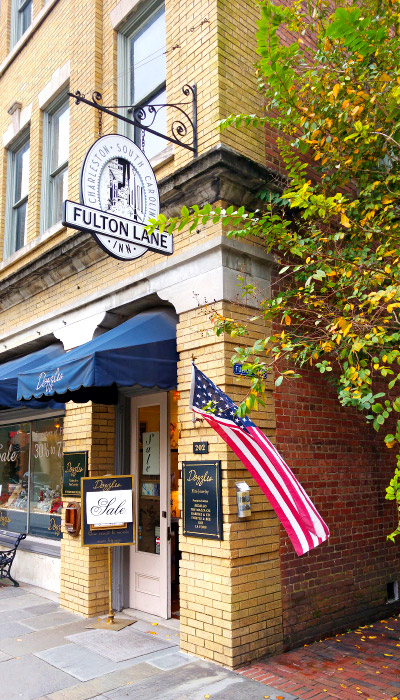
(119, 194)
(75, 468)
(202, 514)
(107, 511)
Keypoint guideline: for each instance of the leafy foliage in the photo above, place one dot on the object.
(333, 96)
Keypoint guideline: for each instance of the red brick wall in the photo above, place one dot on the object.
(344, 468)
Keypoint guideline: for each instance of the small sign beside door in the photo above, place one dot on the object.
(200, 448)
(202, 511)
(107, 511)
(75, 468)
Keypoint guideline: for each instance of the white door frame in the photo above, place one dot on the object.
(144, 566)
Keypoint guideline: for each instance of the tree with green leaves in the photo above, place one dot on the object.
(333, 96)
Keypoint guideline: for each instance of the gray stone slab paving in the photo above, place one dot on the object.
(26, 613)
(41, 609)
(170, 661)
(193, 682)
(16, 603)
(4, 657)
(98, 686)
(53, 619)
(11, 592)
(119, 646)
(13, 615)
(29, 678)
(43, 639)
(158, 631)
(13, 629)
(79, 662)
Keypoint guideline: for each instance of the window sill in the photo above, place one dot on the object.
(27, 35)
(162, 158)
(36, 545)
(32, 245)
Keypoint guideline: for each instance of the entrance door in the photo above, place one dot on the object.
(149, 566)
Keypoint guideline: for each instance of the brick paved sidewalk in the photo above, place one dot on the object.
(364, 663)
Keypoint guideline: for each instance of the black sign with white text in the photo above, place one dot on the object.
(202, 510)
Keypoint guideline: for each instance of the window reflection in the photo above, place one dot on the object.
(31, 460)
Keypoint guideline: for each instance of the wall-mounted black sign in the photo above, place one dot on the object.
(75, 468)
(200, 448)
(202, 511)
(107, 511)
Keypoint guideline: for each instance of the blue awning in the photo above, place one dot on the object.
(9, 376)
(141, 351)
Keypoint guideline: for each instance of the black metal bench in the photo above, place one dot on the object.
(7, 558)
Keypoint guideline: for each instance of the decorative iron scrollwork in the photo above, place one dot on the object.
(183, 128)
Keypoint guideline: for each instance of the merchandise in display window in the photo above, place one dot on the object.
(31, 463)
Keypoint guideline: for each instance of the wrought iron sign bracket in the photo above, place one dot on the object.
(181, 126)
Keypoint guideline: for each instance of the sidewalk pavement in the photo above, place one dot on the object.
(364, 663)
(47, 653)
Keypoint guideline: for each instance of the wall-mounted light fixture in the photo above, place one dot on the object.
(243, 499)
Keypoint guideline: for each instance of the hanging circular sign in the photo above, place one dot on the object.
(119, 194)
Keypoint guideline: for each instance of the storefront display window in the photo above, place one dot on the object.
(31, 460)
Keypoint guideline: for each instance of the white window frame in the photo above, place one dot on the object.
(12, 206)
(17, 19)
(47, 215)
(132, 27)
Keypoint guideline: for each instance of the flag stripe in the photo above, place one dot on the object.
(320, 526)
(291, 503)
(283, 507)
(307, 509)
(282, 472)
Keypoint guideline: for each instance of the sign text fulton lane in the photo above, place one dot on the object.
(121, 233)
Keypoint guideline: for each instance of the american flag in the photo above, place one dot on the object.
(293, 507)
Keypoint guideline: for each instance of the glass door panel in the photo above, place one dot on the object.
(149, 479)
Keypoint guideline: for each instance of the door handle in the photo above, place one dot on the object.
(168, 533)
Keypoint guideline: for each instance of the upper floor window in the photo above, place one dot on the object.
(144, 63)
(21, 18)
(55, 161)
(17, 197)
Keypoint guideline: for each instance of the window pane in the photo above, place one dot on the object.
(14, 476)
(20, 225)
(46, 478)
(26, 17)
(61, 137)
(148, 64)
(21, 172)
(149, 480)
(153, 144)
(60, 183)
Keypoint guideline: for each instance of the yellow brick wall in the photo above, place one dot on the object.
(84, 570)
(230, 590)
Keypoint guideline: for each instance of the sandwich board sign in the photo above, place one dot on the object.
(107, 511)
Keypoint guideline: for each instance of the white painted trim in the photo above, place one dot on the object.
(203, 274)
(27, 35)
(59, 81)
(123, 10)
(163, 157)
(17, 126)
